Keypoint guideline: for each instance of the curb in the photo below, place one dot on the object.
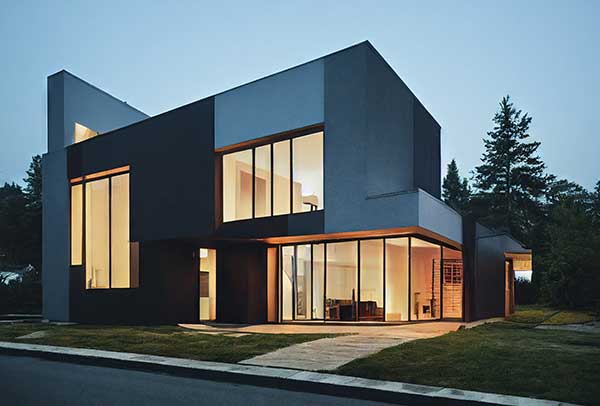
(287, 379)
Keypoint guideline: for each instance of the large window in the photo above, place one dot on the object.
(100, 222)
(374, 279)
(274, 179)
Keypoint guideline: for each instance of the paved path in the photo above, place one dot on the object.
(30, 381)
(325, 354)
(330, 353)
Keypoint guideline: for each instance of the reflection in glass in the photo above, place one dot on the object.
(396, 279)
(308, 172)
(262, 181)
(342, 267)
(371, 280)
(425, 279)
(237, 186)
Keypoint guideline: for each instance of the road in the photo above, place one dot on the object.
(32, 381)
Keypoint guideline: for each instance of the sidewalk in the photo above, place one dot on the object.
(289, 379)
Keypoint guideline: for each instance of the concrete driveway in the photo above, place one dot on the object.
(330, 353)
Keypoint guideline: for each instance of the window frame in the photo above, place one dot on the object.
(271, 141)
(83, 181)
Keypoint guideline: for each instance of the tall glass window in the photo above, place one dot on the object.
(111, 260)
(287, 281)
(262, 181)
(303, 282)
(370, 306)
(308, 173)
(119, 222)
(342, 267)
(318, 280)
(237, 186)
(281, 177)
(425, 262)
(452, 282)
(97, 234)
(77, 225)
(396, 279)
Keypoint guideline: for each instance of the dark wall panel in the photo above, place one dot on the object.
(427, 159)
(167, 292)
(242, 284)
(172, 170)
(389, 136)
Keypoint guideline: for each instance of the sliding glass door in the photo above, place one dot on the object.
(376, 279)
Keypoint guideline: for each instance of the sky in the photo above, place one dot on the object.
(459, 58)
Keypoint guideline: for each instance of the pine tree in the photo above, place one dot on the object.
(511, 180)
(456, 192)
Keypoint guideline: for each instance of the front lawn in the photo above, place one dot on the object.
(168, 341)
(505, 357)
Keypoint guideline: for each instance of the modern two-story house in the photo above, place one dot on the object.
(311, 195)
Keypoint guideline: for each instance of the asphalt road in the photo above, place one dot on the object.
(33, 381)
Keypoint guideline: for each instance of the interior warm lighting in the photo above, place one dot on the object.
(208, 284)
(76, 225)
(265, 173)
(83, 133)
(108, 251)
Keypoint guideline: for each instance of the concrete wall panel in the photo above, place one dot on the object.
(281, 102)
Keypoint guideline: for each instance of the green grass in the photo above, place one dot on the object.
(503, 357)
(169, 341)
(532, 314)
(570, 317)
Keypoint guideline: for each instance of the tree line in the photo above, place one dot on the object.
(21, 242)
(558, 219)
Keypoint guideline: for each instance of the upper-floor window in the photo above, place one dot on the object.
(281, 177)
(100, 230)
(83, 133)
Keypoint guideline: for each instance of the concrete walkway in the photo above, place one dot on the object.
(328, 354)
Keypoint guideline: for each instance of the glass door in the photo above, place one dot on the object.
(208, 284)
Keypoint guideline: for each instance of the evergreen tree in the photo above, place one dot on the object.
(595, 205)
(511, 180)
(456, 192)
(33, 213)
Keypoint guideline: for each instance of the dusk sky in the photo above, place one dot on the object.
(459, 58)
